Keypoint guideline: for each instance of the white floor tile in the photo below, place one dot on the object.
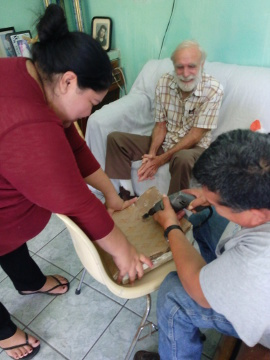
(115, 342)
(53, 228)
(139, 306)
(60, 251)
(101, 288)
(73, 323)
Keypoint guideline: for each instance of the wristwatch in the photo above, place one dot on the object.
(169, 228)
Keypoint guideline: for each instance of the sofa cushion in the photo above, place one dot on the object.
(246, 95)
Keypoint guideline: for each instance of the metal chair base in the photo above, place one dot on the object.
(152, 327)
(78, 290)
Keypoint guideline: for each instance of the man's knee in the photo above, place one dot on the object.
(114, 137)
(182, 158)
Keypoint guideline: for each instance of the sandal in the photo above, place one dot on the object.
(48, 292)
(30, 355)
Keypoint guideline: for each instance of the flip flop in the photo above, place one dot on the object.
(30, 355)
(48, 292)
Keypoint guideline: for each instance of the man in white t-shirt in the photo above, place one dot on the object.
(231, 293)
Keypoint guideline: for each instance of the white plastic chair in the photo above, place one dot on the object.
(92, 262)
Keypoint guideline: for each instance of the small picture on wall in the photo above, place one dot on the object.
(19, 41)
(6, 48)
(102, 31)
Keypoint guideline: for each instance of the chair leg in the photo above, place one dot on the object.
(142, 326)
(78, 290)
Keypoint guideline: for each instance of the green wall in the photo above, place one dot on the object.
(21, 14)
(231, 31)
(138, 29)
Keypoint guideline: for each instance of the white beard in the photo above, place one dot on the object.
(181, 81)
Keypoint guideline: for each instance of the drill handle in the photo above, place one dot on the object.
(181, 200)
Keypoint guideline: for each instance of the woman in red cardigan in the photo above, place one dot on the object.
(45, 165)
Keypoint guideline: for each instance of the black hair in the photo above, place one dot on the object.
(60, 50)
(236, 166)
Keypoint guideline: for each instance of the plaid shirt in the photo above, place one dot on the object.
(200, 109)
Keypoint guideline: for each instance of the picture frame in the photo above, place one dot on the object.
(6, 48)
(19, 41)
(101, 30)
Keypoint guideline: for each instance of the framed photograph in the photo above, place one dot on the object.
(102, 31)
(6, 48)
(19, 41)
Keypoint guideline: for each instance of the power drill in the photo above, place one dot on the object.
(178, 200)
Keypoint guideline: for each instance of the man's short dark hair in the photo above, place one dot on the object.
(237, 167)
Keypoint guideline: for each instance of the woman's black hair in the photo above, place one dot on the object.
(60, 50)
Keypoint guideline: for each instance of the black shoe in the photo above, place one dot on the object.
(146, 355)
(125, 194)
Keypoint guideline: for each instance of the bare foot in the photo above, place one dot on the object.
(50, 283)
(17, 339)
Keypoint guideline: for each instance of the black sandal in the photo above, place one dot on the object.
(48, 292)
(30, 355)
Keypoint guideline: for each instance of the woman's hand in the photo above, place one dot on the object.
(125, 256)
(117, 204)
(130, 262)
(100, 181)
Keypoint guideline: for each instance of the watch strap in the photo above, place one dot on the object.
(171, 227)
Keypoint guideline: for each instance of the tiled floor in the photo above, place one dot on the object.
(94, 325)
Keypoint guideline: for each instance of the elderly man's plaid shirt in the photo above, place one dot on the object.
(200, 109)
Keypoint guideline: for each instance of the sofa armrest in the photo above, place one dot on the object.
(133, 114)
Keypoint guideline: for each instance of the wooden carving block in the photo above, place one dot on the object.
(146, 235)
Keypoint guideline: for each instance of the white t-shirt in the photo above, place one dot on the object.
(237, 283)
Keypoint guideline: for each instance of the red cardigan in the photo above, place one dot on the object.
(42, 166)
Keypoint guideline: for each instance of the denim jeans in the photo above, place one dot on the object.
(208, 235)
(180, 317)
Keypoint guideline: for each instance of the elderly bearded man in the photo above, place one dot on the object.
(187, 105)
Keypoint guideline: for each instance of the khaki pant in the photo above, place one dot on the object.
(123, 148)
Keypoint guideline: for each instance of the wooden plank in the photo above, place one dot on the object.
(146, 235)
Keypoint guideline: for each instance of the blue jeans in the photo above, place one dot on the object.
(208, 235)
(180, 317)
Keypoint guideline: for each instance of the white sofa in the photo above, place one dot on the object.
(246, 98)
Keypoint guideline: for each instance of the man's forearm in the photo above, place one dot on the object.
(158, 136)
(188, 265)
(190, 140)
